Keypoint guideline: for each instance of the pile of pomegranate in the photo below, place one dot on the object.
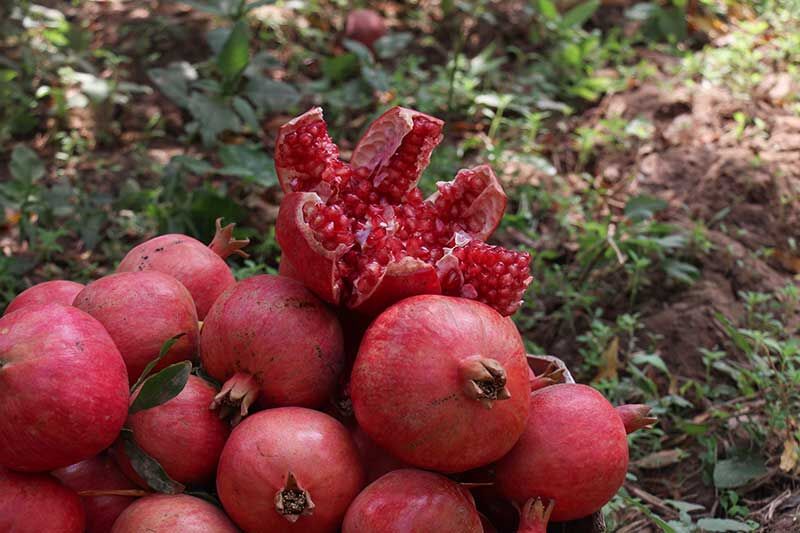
(376, 385)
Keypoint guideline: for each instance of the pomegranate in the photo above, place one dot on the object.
(361, 234)
(574, 450)
(164, 513)
(183, 435)
(142, 310)
(56, 292)
(375, 459)
(289, 469)
(100, 473)
(442, 383)
(365, 26)
(270, 339)
(64, 388)
(413, 501)
(33, 503)
(202, 269)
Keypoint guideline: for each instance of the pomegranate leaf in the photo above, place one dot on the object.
(162, 387)
(169, 343)
(148, 468)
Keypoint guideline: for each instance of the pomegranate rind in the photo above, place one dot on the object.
(402, 279)
(319, 272)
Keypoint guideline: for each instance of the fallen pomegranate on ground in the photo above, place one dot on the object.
(574, 451)
(50, 292)
(142, 310)
(33, 503)
(99, 474)
(413, 501)
(442, 383)
(172, 514)
(365, 26)
(361, 235)
(269, 339)
(183, 435)
(289, 469)
(63, 388)
(201, 269)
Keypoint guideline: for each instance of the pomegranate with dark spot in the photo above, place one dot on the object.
(442, 383)
(64, 388)
(34, 503)
(201, 269)
(183, 435)
(289, 469)
(269, 339)
(360, 233)
(410, 500)
(50, 292)
(141, 311)
(163, 513)
(100, 473)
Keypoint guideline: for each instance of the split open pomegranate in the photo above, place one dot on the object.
(360, 233)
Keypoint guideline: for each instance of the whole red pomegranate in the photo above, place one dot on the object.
(202, 269)
(50, 292)
(142, 310)
(183, 435)
(365, 26)
(574, 450)
(289, 469)
(375, 459)
(164, 513)
(270, 339)
(442, 383)
(360, 233)
(34, 503)
(64, 388)
(100, 473)
(413, 501)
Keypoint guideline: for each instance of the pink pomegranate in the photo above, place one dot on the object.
(164, 513)
(442, 383)
(289, 469)
(202, 269)
(270, 339)
(360, 233)
(574, 450)
(50, 292)
(64, 388)
(142, 310)
(33, 503)
(99, 474)
(413, 501)
(375, 459)
(365, 26)
(183, 435)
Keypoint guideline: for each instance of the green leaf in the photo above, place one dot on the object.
(578, 15)
(235, 53)
(363, 53)
(271, 95)
(213, 117)
(683, 272)
(216, 39)
(25, 165)
(548, 9)
(738, 471)
(390, 45)
(722, 524)
(165, 348)
(162, 387)
(341, 67)
(249, 162)
(246, 113)
(193, 164)
(652, 359)
(643, 207)
(174, 80)
(148, 468)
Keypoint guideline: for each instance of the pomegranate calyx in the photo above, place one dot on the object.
(534, 515)
(292, 501)
(484, 379)
(551, 376)
(224, 244)
(236, 397)
(634, 416)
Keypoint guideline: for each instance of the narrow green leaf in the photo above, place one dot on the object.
(148, 468)
(162, 387)
(548, 9)
(168, 344)
(643, 207)
(722, 524)
(578, 15)
(246, 113)
(235, 53)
